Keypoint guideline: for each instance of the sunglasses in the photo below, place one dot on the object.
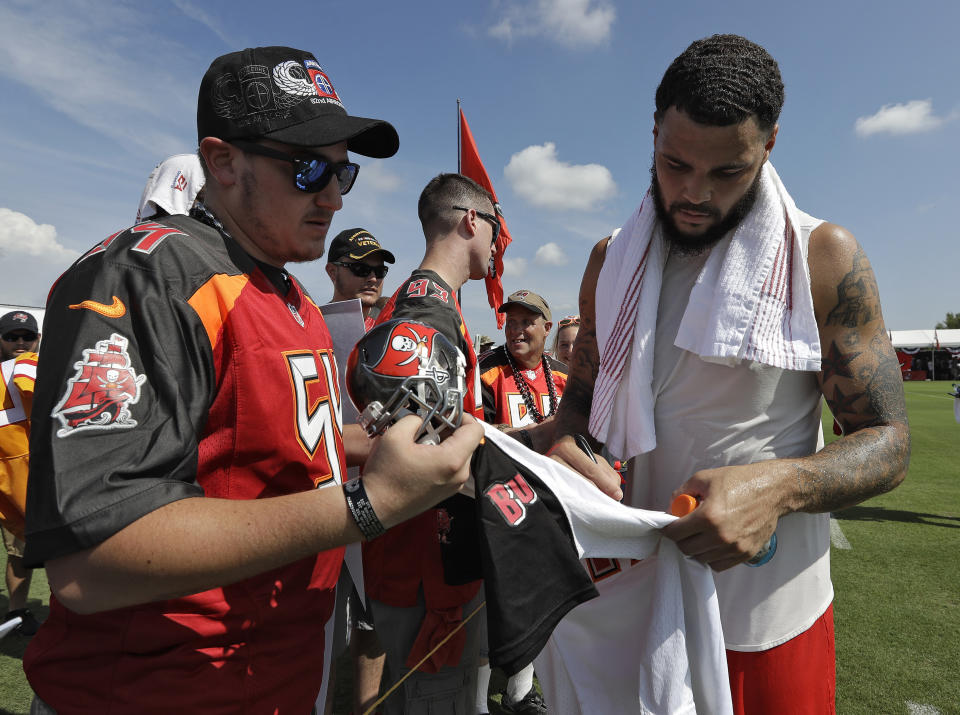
(569, 320)
(362, 270)
(14, 337)
(311, 174)
(494, 221)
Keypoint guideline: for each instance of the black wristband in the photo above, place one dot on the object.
(362, 510)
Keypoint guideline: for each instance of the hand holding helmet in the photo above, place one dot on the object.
(407, 375)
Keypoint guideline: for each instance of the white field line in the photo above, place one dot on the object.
(837, 539)
(939, 397)
(917, 709)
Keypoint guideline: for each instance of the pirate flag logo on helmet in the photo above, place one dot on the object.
(405, 367)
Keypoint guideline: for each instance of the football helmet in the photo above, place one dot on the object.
(402, 367)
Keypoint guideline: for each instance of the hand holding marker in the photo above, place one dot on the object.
(683, 504)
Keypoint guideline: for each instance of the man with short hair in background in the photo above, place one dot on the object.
(414, 604)
(19, 338)
(355, 264)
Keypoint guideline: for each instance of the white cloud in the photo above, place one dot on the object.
(550, 254)
(908, 118)
(514, 266)
(375, 176)
(574, 23)
(196, 13)
(21, 235)
(536, 175)
(378, 194)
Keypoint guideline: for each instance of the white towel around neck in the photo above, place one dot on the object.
(752, 301)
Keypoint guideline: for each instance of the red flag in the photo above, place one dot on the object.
(472, 167)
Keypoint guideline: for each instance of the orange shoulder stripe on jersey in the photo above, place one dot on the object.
(489, 376)
(214, 300)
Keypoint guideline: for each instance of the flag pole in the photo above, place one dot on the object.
(460, 289)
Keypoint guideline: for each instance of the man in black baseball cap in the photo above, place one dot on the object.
(355, 264)
(18, 334)
(187, 462)
(275, 110)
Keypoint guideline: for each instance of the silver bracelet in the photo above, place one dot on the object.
(362, 510)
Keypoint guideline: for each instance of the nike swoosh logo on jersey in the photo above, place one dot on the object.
(116, 310)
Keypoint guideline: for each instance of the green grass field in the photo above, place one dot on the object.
(897, 604)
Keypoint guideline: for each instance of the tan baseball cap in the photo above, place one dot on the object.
(528, 299)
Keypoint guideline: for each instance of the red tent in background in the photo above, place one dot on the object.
(472, 167)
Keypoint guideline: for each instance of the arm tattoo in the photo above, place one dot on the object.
(836, 363)
(858, 299)
(861, 383)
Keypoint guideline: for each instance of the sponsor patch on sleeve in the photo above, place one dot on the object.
(100, 394)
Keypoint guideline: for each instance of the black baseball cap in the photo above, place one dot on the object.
(18, 320)
(356, 243)
(283, 94)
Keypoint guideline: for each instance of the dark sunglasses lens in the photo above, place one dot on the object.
(314, 175)
(346, 175)
(495, 223)
(362, 270)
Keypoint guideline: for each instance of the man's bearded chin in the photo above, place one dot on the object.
(688, 244)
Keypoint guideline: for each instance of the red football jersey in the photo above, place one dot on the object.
(408, 557)
(503, 403)
(173, 367)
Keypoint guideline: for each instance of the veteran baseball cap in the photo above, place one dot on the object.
(529, 300)
(283, 94)
(356, 243)
(18, 320)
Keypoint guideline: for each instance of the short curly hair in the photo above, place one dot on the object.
(722, 80)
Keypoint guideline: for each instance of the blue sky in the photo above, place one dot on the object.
(558, 93)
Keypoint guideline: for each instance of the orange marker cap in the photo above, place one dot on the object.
(683, 504)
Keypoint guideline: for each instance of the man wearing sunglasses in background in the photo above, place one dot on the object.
(355, 264)
(19, 338)
(187, 448)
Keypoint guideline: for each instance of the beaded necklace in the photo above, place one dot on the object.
(524, 388)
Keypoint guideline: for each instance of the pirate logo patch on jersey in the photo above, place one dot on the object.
(101, 392)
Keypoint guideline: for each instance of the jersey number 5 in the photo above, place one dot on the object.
(318, 417)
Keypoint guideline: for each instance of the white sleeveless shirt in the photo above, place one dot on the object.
(711, 415)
